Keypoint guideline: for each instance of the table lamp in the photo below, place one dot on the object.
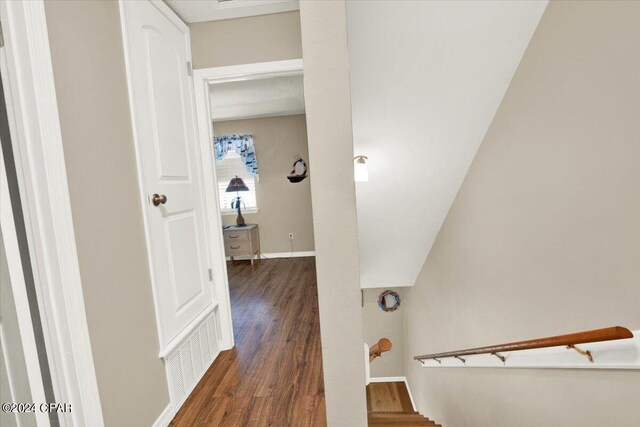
(237, 184)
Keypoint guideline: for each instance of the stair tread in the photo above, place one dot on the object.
(399, 423)
(389, 404)
(395, 415)
(398, 419)
(419, 422)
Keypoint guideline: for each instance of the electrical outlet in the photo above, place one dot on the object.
(290, 236)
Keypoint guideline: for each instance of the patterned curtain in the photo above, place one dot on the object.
(242, 144)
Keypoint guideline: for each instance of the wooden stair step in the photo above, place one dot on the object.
(392, 415)
(398, 419)
(401, 423)
(389, 404)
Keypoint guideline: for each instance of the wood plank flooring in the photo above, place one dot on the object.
(273, 376)
(388, 397)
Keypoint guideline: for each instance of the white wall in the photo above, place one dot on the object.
(377, 324)
(544, 235)
(263, 38)
(326, 90)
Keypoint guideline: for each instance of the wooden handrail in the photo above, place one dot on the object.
(376, 350)
(570, 340)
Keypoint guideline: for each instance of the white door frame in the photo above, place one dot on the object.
(44, 192)
(202, 79)
(20, 297)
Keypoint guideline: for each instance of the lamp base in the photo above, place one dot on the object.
(240, 221)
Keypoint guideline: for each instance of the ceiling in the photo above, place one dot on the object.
(214, 10)
(275, 96)
(426, 80)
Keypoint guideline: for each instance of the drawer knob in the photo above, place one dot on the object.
(234, 237)
(235, 247)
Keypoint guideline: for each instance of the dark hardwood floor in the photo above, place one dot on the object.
(273, 376)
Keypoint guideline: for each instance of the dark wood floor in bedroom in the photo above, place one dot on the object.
(273, 376)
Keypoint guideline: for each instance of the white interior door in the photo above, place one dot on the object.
(162, 101)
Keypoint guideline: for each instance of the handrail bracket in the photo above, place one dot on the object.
(461, 359)
(585, 353)
(499, 356)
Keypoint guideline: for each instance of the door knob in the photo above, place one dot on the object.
(158, 199)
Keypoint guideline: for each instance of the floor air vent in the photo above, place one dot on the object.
(188, 363)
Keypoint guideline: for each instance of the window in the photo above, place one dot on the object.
(228, 168)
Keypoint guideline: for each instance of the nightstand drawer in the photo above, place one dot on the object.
(236, 235)
(237, 248)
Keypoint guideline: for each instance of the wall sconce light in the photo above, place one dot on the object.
(360, 170)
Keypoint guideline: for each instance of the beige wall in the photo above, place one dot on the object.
(283, 207)
(262, 38)
(88, 65)
(328, 104)
(377, 324)
(544, 235)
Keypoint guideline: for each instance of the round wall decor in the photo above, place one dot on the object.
(389, 301)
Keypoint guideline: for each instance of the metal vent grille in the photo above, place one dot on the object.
(176, 380)
(205, 343)
(196, 352)
(188, 363)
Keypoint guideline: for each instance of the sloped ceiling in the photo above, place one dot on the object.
(426, 80)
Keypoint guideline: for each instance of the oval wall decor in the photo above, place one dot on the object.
(299, 171)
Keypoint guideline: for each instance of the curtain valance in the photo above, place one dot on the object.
(242, 144)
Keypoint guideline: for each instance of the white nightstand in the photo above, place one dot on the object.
(242, 241)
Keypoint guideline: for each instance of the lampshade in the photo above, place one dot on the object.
(236, 184)
(360, 170)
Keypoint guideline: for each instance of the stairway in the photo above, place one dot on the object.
(389, 404)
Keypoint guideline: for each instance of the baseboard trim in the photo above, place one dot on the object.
(276, 255)
(165, 417)
(386, 379)
(393, 380)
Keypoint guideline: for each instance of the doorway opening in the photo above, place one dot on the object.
(253, 129)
